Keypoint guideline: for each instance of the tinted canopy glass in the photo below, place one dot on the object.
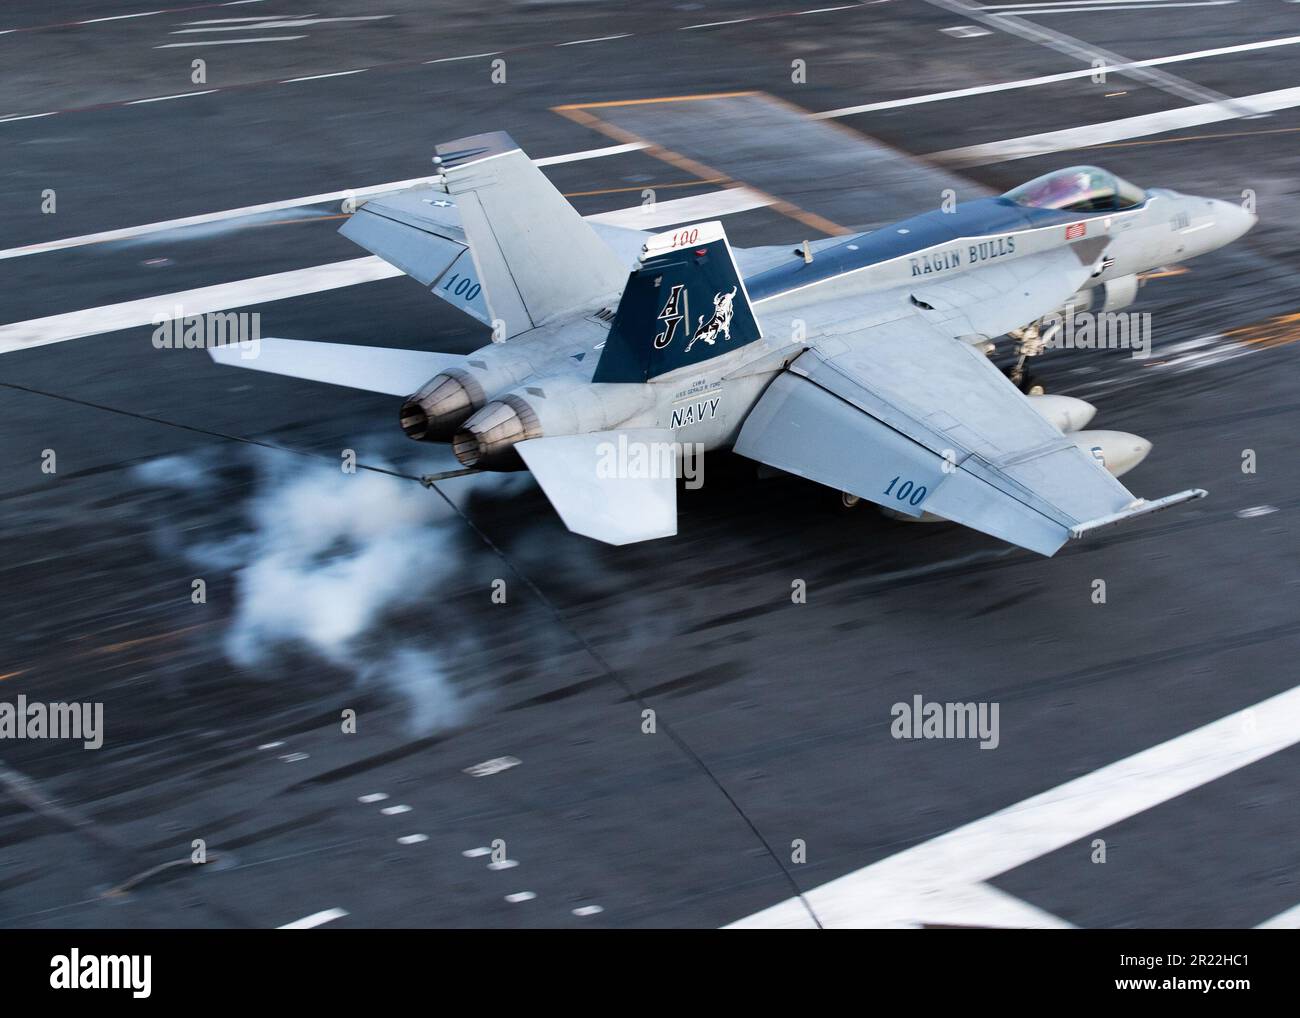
(1078, 189)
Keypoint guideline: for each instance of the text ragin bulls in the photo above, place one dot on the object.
(956, 257)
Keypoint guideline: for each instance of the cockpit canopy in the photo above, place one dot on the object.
(1078, 189)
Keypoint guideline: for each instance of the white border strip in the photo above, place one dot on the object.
(203, 300)
(1036, 12)
(1288, 920)
(317, 278)
(923, 883)
(1116, 130)
(315, 919)
(1051, 79)
(709, 205)
(130, 232)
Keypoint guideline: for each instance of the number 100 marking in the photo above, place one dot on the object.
(466, 287)
(912, 494)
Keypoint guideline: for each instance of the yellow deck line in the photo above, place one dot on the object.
(577, 112)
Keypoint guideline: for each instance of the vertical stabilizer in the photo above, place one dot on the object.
(685, 303)
(537, 257)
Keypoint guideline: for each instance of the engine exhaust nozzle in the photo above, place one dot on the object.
(488, 438)
(439, 407)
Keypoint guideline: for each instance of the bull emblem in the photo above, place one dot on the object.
(718, 324)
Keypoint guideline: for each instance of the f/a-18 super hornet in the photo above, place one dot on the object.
(859, 362)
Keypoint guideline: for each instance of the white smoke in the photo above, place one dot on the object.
(189, 473)
(225, 227)
(331, 552)
(326, 561)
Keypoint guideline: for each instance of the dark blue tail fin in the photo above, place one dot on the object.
(685, 303)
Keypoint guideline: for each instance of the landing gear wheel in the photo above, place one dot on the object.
(1029, 343)
(849, 500)
(1030, 385)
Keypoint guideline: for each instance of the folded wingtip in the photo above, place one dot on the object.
(1141, 507)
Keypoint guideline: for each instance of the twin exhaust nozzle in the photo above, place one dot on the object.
(452, 405)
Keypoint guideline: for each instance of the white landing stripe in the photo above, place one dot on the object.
(1051, 79)
(603, 38)
(1051, 3)
(318, 278)
(1288, 920)
(229, 42)
(909, 887)
(716, 24)
(120, 17)
(594, 153)
(1116, 130)
(680, 210)
(332, 74)
(291, 22)
(134, 313)
(272, 206)
(262, 17)
(164, 98)
(467, 56)
(986, 905)
(1038, 12)
(315, 919)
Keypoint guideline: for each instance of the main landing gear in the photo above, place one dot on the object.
(1029, 343)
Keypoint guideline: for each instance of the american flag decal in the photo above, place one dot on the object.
(1075, 230)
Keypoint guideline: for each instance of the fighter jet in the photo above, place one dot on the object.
(859, 362)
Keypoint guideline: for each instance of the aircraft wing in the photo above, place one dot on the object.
(908, 417)
(372, 368)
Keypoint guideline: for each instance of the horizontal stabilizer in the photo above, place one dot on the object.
(420, 232)
(493, 237)
(619, 487)
(372, 368)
